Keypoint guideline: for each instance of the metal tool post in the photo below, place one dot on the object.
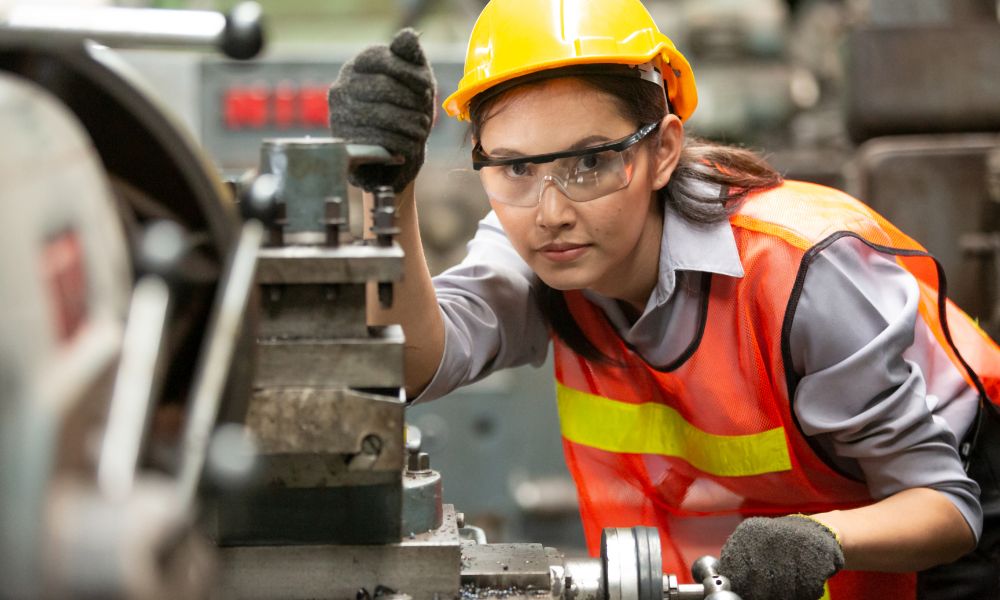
(327, 409)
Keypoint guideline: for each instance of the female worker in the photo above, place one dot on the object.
(753, 366)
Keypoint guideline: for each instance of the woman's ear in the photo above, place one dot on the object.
(668, 150)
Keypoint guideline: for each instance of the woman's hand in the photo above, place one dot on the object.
(789, 558)
(384, 96)
(786, 558)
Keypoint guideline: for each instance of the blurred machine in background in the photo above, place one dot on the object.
(922, 101)
(118, 279)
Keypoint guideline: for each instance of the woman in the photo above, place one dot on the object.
(753, 366)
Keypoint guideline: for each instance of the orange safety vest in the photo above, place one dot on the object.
(696, 447)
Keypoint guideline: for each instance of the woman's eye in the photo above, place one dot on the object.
(518, 170)
(588, 162)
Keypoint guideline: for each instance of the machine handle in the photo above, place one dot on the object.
(366, 154)
(216, 357)
(716, 586)
(238, 34)
(160, 253)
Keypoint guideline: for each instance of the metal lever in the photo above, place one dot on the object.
(135, 387)
(715, 586)
(216, 357)
(160, 251)
(238, 34)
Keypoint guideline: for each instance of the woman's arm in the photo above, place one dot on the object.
(477, 317)
(384, 96)
(792, 557)
(911, 530)
(885, 405)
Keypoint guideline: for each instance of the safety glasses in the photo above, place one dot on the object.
(581, 175)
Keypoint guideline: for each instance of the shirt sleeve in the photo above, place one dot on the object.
(877, 392)
(491, 318)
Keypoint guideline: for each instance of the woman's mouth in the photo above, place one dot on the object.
(563, 252)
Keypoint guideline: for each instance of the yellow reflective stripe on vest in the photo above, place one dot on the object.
(652, 428)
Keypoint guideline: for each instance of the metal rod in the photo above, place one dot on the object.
(135, 383)
(210, 378)
(689, 591)
(129, 26)
(238, 34)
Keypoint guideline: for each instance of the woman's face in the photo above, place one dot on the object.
(610, 244)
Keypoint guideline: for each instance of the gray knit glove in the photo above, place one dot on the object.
(787, 558)
(385, 96)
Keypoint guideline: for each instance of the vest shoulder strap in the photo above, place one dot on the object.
(804, 214)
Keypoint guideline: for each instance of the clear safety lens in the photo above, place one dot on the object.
(580, 178)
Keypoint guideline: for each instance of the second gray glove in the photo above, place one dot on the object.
(785, 558)
(385, 96)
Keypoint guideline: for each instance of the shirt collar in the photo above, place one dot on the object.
(687, 246)
(690, 246)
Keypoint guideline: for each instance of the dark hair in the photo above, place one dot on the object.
(733, 172)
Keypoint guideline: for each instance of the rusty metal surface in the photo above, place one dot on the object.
(519, 566)
(330, 470)
(345, 264)
(424, 566)
(327, 421)
(376, 362)
(312, 311)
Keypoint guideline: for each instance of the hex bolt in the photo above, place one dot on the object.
(418, 462)
(384, 216)
(385, 230)
(336, 219)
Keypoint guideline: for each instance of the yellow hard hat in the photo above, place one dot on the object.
(518, 37)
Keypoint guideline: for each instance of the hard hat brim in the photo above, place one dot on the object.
(677, 74)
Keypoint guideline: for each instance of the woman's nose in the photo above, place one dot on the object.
(555, 209)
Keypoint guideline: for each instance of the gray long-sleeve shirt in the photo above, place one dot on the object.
(877, 393)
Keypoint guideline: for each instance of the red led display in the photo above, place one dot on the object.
(314, 108)
(246, 107)
(283, 106)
